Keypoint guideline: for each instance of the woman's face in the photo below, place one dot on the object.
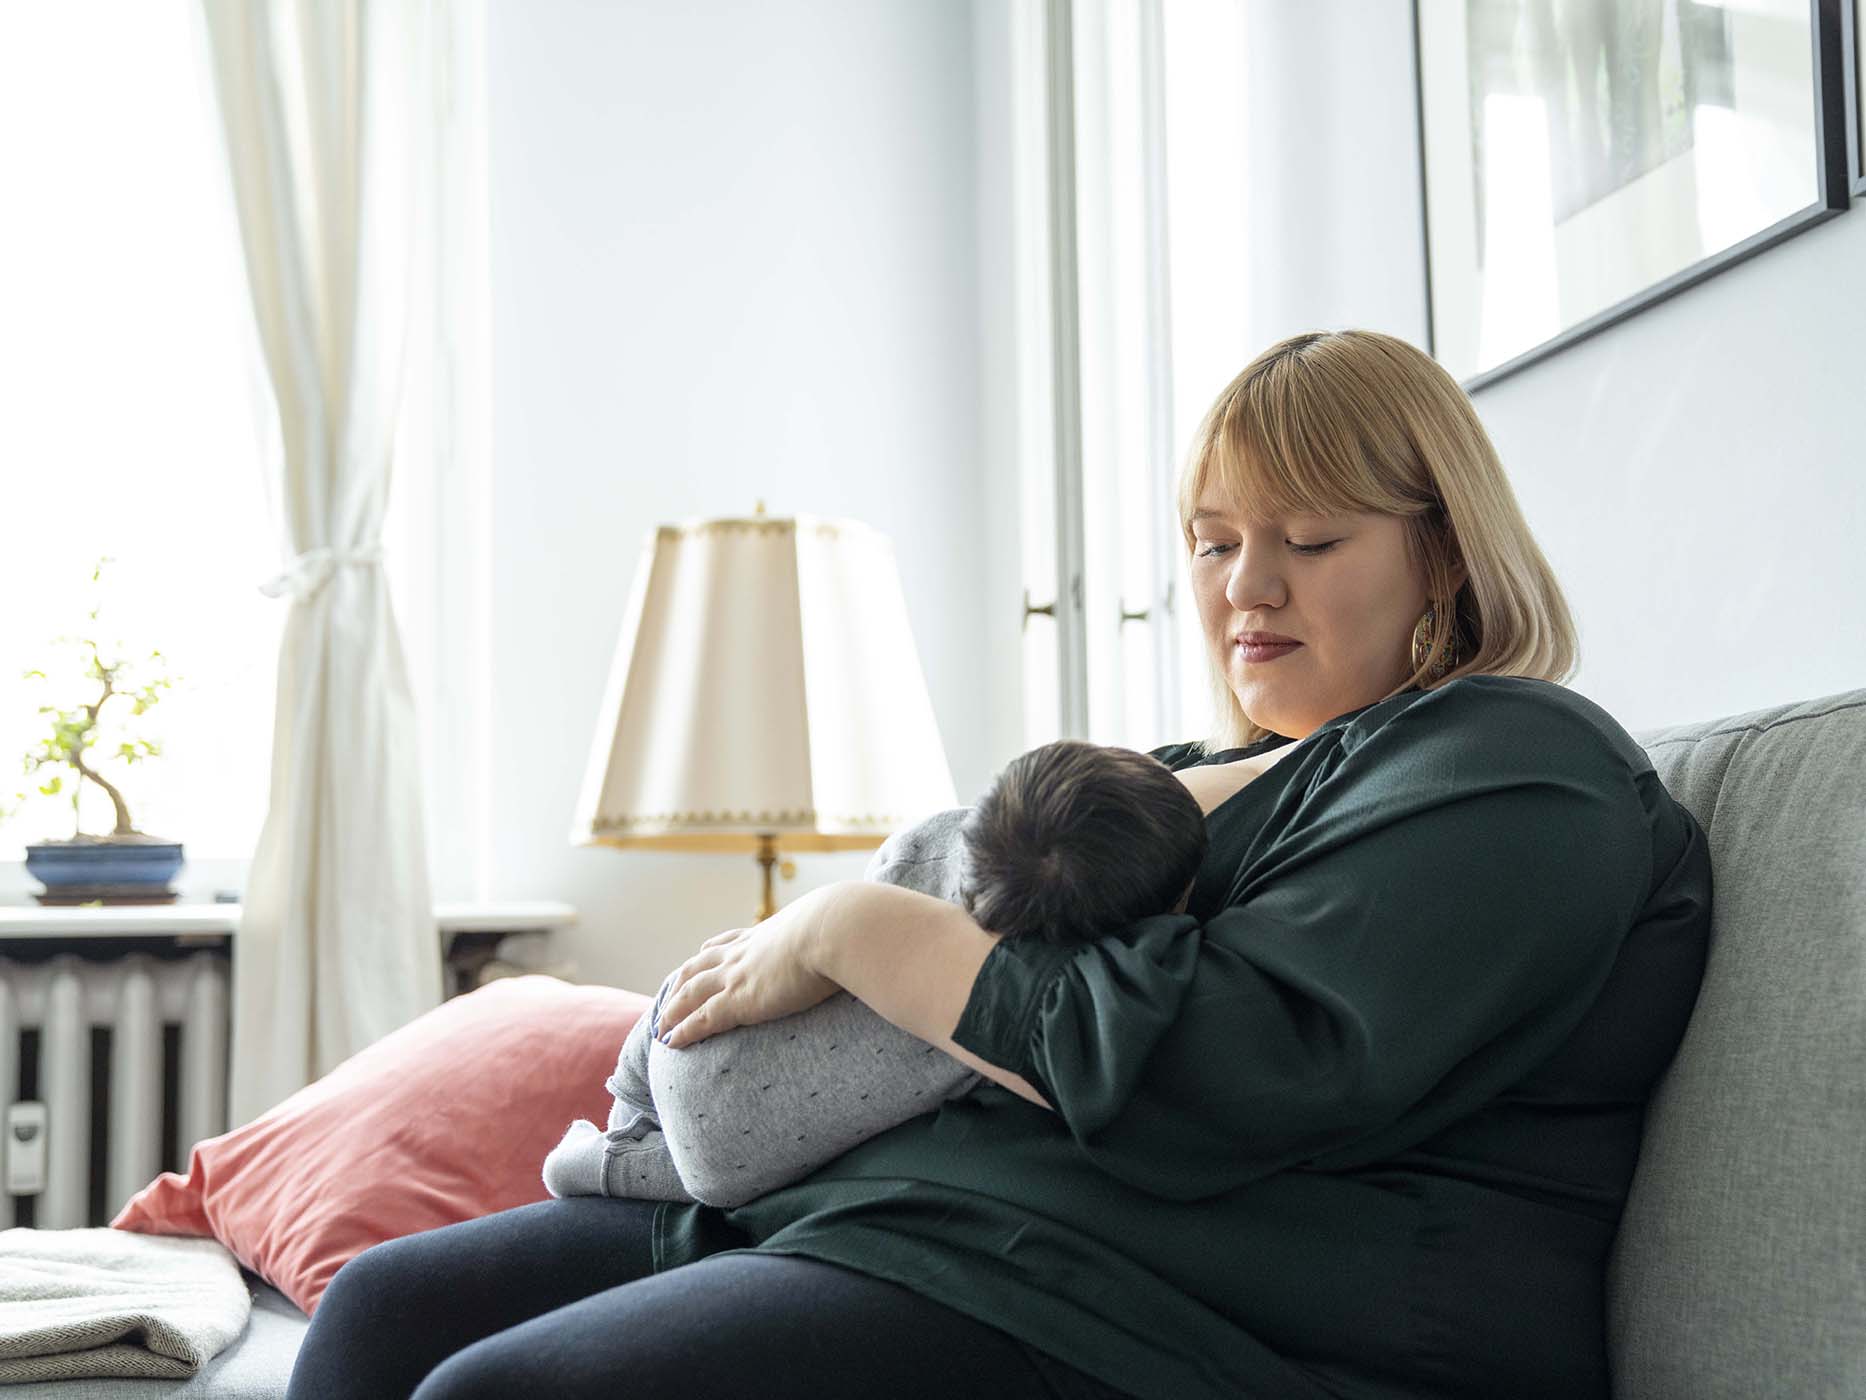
(1340, 586)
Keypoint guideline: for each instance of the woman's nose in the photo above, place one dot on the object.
(1254, 582)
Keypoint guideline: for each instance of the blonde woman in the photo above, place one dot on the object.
(1359, 1122)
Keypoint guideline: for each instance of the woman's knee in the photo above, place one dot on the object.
(374, 1277)
(450, 1265)
(357, 1344)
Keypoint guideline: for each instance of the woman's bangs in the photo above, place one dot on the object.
(1270, 468)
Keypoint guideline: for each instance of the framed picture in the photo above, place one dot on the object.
(1853, 62)
(1583, 159)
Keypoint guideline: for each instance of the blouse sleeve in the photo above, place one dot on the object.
(1437, 913)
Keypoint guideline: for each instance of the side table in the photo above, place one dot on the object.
(485, 941)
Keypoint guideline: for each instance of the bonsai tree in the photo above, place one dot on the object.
(76, 731)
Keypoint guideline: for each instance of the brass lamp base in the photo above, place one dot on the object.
(768, 861)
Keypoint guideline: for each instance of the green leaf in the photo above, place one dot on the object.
(53, 788)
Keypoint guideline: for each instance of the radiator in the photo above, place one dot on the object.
(110, 1071)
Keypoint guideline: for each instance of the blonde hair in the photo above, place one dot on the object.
(1331, 422)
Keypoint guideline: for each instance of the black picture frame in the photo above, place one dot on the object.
(1853, 76)
(1838, 175)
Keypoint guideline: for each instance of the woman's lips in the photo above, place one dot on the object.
(1255, 652)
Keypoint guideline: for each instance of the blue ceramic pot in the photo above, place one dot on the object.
(129, 866)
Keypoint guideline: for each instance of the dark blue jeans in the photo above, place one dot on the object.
(559, 1298)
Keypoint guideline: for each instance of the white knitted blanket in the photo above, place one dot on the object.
(104, 1302)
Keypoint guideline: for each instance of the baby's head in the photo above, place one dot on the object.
(1073, 840)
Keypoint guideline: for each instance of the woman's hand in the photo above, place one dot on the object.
(747, 975)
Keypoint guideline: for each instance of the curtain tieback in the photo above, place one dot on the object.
(311, 570)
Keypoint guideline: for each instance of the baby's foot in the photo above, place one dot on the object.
(575, 1166)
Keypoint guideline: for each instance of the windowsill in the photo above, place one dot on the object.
(162, 920)
(202, 880)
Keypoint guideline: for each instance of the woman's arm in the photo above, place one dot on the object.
(912, 959)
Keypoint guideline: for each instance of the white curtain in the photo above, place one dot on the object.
(328, 109)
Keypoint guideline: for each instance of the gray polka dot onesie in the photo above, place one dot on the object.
(757, 1107)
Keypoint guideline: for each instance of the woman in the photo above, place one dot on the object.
(1360, 1122)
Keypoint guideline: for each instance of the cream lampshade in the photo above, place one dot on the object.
(765, 696)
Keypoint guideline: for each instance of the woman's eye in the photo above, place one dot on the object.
(1298, 548)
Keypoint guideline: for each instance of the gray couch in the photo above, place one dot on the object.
(1740, 1266)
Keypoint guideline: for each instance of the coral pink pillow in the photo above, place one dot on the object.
(448, 1118)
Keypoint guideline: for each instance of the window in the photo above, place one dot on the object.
(1159, 328)
(127, 425)
(1207, 249)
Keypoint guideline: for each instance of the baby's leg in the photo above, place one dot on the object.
(759, 1106)
(631, 1157)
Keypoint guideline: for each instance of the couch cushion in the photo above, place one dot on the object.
(1740, 1266)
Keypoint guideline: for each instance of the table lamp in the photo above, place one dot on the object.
(765, 696)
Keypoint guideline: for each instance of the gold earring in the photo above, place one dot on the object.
(1422, 646)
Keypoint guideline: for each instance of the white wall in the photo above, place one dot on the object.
(1696, 474)
(747, 251)
(734, 256)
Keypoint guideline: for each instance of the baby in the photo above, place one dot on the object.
(1071, 841)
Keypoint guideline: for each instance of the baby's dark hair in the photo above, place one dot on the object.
(1073, 840)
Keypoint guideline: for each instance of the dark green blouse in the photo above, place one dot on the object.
(1360, 1122)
